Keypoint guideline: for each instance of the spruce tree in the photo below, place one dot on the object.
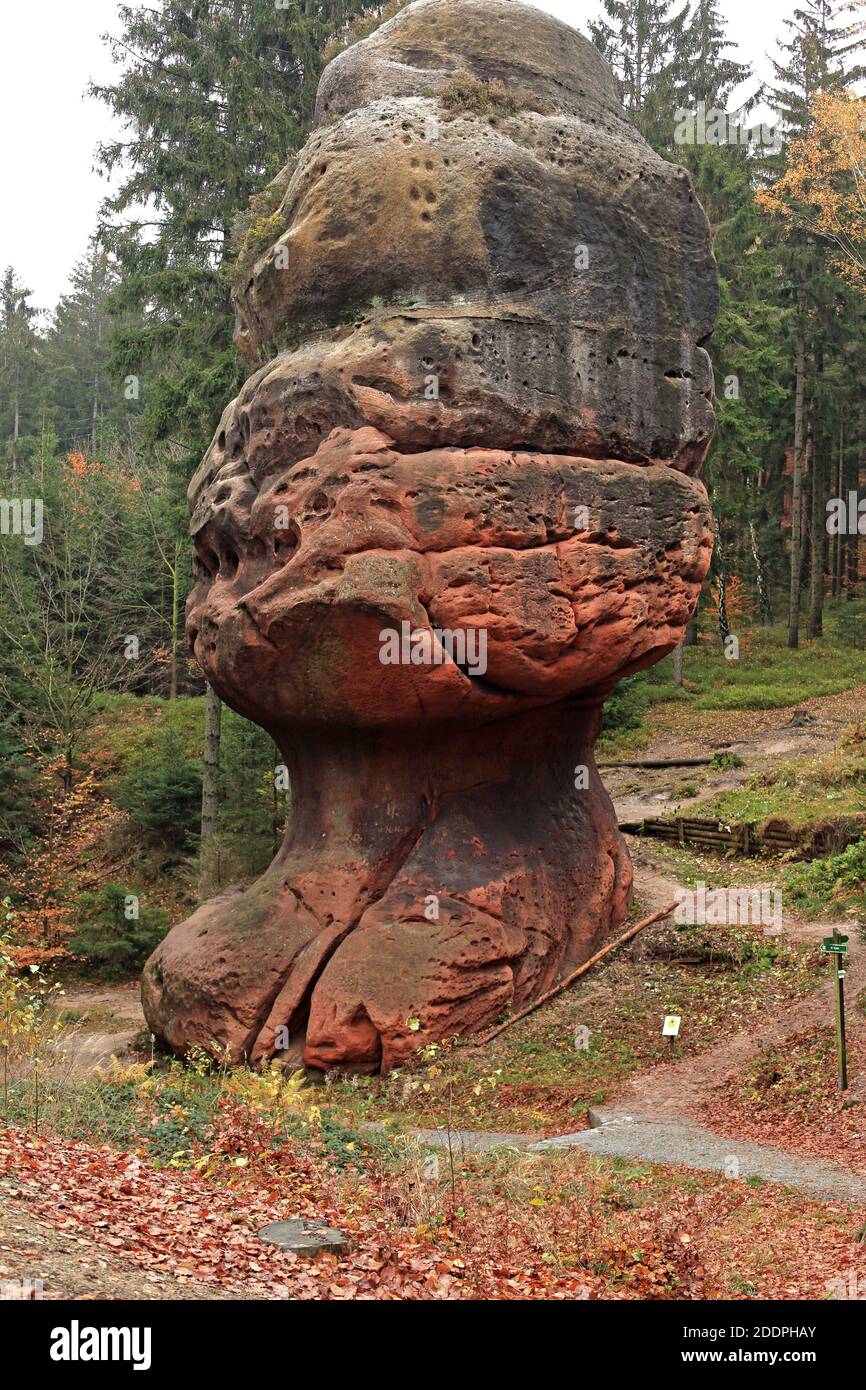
(705, 71)
(19, 371)
(817, 57)
(87, 406)
(645, 45)
(214, 95)
(814, 59)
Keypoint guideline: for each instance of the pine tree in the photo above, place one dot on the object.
(214, 95)
(19, 370)
(645, 46)
(814, 60)
(87, 406)
(705, 72)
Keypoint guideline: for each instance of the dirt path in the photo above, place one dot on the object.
(654, 1119)
(103, 1023)
(675, 1140)
(679, 1087)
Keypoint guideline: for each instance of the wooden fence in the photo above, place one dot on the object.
(774, 836)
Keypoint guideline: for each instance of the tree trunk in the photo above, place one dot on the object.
(16, 425)
(724, 625)
(796, 504)
(678, 665)
(211, 766)
(765, 608)
(818, 546)
(852, 540)
(175, 617)
(839, 539)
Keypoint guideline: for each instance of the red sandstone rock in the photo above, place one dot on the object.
(425, 601)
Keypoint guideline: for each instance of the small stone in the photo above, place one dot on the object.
(305, 1237)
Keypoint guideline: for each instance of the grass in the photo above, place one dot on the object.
(539, 1076)
(690, 866)
(832, 887)
(125, 731)
(465, 95)
(617, 1227)
(767, 675)
(803, 791)
(168, 1111)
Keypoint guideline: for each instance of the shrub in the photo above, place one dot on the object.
(163, 794)
(835, 883)
(722, 761)
(625, 707)
(848, 624)
(259, 226)
(19, 817)
(115, 945)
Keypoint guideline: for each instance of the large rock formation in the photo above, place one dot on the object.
(434, 531)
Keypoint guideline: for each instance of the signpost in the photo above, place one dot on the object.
(837, 947)
(671, 1028)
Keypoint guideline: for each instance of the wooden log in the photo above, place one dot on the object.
(576, 974)
(660, 762)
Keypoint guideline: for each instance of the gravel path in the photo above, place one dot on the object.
(683, 1141)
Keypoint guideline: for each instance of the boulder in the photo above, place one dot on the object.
(435, 529)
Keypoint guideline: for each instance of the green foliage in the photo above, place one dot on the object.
(88, 408)
(365, 22)
(664, 60)
(19, 814)
(723, 761)
(847, 623)
(256, 229)
(820, 38)
(834, 885)
(113, 941)
(69, 601)
(145, 741)
(767, 675)
(803, 793)
(163, 793)
(625, 708)
(19, 387)
(253, 809)
(217, 96)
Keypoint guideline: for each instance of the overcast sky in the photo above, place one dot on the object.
(52, 48)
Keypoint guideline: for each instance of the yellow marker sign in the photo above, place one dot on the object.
(671, 1026)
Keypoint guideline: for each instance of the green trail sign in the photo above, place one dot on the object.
(837, 945)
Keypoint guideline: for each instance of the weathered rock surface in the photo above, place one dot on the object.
(539, 257)
(508, 461)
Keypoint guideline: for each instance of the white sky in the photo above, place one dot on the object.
(52, 49)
